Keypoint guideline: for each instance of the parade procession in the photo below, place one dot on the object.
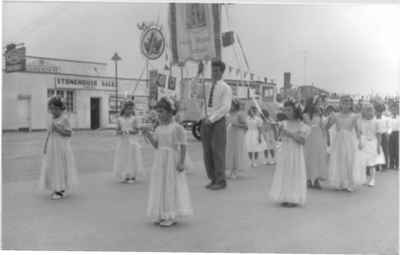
(197, 138)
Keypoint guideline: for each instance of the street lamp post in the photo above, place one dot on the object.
(116, 58)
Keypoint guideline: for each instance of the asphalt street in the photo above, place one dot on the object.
(104, 215)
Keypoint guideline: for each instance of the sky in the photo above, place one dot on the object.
(343, 48)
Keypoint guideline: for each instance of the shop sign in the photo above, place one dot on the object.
(84, 83)
(41, 66)
(15, 60)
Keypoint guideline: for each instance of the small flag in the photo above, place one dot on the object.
(227, 39)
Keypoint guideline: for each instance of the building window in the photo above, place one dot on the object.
(67, 95)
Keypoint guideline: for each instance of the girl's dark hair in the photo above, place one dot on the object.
(57, 102)
(280, 116)
(330, 108)
(296, 109)
(127, 104)
(251, 108)
(169, 104)
(379, 107)
(311, 108)
(235, 105)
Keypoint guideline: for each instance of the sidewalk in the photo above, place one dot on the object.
(104, 215)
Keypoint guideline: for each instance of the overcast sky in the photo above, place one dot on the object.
(350, 48)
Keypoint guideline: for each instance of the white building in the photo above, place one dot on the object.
(88, 93)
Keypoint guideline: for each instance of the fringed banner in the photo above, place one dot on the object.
(195, 31)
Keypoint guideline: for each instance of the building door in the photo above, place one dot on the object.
(94, 112)
(24, 116)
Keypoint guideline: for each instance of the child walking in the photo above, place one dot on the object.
(169, 196)
(343, 147)
(383, 129)
(269, 134)
(58, 173)
(236, 152)
(127, 157)
(289, 183)
(370, 145)
(315, 150)
(254, 140)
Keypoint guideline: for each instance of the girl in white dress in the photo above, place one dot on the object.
(58, 173)
(370, 145)
(289, 185)
(128, 156)
(169, 196)
(315, 151)
(236, 151)
(343, 148)
(269, 134)
(254, 140)
(383, 129)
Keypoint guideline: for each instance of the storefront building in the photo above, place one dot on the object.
(90, 96)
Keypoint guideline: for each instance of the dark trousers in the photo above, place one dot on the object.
(385, 148)
(213, 139)
(394, 150)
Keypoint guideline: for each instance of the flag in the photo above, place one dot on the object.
(195, 31)
(227, 39)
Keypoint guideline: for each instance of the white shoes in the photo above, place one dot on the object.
(167, 223)
(371, 183)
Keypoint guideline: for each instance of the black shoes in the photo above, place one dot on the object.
(218, 186)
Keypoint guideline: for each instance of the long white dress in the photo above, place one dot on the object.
(252, 134)
(343, 148)
(58, 170)
(315, 152)
(289, 183)
(169, 195)
(368, 155)
(128, 160)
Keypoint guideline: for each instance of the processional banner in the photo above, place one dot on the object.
(195, 30)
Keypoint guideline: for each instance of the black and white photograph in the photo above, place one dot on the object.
(210, 126)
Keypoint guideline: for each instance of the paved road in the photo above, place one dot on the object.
(107, 216)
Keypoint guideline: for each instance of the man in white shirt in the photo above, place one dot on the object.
(213, 127)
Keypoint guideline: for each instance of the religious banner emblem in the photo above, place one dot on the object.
(195, 31)
(152, 43)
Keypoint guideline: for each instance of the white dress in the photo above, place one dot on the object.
(58, 170)
(252, 142)
(290, 181)
(128, 160)
(169, 195)
(342, 174)
(368, 155)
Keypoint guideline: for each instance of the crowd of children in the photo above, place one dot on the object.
(343, 149)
